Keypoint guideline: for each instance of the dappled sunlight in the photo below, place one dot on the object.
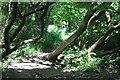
(28, 66)
(31, 61)
(70, 70)
(65, 41)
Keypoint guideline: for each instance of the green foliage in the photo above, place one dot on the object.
(51, 39)
(66, 17)
(112, 61)
(48, 43)
(84, 63)
(59, 15)
(2, 66)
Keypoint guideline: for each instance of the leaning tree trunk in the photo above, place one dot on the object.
(80, 30)
(100, 40)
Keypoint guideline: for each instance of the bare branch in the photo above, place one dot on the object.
(107, 14)
(34, 10)
(96, 17)
(36, 5)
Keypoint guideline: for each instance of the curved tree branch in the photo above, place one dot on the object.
(94, 18)
(37, 38)
(4, 54)
(24, 18)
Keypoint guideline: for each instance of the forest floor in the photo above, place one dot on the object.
(31, 67)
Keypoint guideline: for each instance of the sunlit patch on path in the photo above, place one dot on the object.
(32, 66)
(28, 66)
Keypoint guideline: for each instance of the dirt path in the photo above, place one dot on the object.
(26, 67)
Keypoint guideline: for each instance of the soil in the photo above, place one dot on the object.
(31, 67)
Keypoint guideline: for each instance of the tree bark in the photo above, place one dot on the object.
(102, 39)
(26, 15)
(9, 41)
(80, 30)
(8, 27)
(9, 51)
(99, 41)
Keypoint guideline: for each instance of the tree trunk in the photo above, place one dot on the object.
(80, 30)
(7, 29)
(100, 40)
